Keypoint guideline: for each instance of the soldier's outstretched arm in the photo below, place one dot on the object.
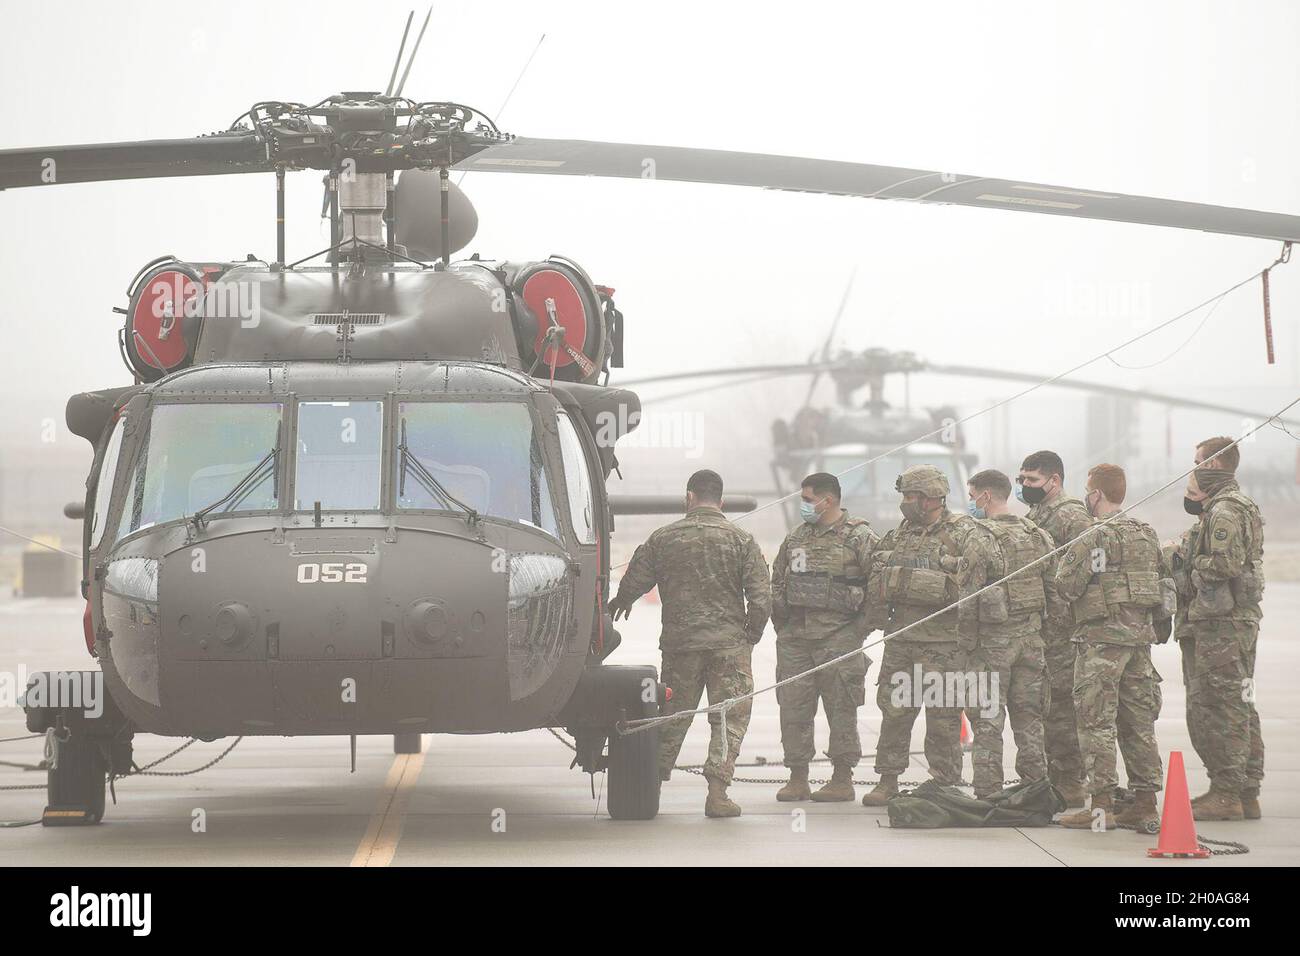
(1226, 546)
(1178, 556)
(1074, 523)
(1075, 570)
(640, 576)
(758, 592)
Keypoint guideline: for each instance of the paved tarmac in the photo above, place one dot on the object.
(511, 799)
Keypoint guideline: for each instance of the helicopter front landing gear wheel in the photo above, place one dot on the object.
(406, 743)
(75, 789)
(633, 771)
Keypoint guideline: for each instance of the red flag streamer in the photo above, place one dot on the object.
(1268, 314)
(1268, 321)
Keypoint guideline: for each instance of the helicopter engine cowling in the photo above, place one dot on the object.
(165, 315)
(546, 318)
(562, 319)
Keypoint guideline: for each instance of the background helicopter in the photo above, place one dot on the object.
(292, 138)
(839, 438)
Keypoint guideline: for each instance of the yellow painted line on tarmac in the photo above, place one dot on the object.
(385, 829)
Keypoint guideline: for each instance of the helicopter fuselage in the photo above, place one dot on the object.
(284, 615)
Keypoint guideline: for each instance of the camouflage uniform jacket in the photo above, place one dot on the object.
(712, 580)
(819, 580)
(1017, 608)
(1225, 563)
(1112, 577)
(1064, 519)
(921, 569)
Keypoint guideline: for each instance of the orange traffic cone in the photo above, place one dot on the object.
(1177, 830)
(967, 735)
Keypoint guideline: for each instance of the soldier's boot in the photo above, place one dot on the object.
(1250, 804)
(797, 789)
(1073, 794)
(840, 787)
(1140, 812)
(1219, 805)
(879, 795)
(1083, 819)
(717, 803)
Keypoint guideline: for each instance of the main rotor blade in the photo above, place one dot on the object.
(564, 157)
(96, 162)
(1099, 388)
(736, 375)
(835, 324)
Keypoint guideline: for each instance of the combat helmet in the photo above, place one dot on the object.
(923, 479)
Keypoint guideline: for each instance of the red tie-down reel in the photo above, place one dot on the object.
(569, 319)
(165, 315)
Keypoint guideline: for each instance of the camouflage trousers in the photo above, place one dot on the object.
(1060, 732)
(1218, 672)
(724, 674)
(900, 702)
(1020, 691)
(841, 689)
(1117, 699)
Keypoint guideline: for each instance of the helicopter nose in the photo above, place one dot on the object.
(355, 633)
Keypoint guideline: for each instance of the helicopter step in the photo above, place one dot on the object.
(89, 740)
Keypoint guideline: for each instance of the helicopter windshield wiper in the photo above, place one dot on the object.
(430, 484)
(244, 487)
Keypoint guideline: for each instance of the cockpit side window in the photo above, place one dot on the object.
(577, 480)
(104, 483)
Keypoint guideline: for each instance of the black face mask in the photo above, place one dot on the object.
(1192, 506)
(1032, 495)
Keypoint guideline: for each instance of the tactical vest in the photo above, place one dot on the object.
(831, 579)
(1019, 544)
(1219, 599)
(1130, 575)
(915, 574)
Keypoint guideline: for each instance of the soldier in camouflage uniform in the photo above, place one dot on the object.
(1041, 486)
(1117, 580)
(1219, 573)
(921, 569)
(1002, 633)
(819, 581)
(716, 599)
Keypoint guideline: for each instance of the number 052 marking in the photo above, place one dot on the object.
(331, 573)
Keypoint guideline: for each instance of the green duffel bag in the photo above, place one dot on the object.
(932, 806)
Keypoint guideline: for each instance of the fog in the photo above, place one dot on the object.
(1182, 100)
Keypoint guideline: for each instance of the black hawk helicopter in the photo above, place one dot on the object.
(869, 441)
(367, 495)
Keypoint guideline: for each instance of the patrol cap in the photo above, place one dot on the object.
(923, 479)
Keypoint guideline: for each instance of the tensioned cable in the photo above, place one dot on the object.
(633, 726)
(43, 544)
(1025, 391)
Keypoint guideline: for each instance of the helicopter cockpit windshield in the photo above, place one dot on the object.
(339, 455)
(868, 489)
(201, 460)
(196, 453)
(484, 456)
